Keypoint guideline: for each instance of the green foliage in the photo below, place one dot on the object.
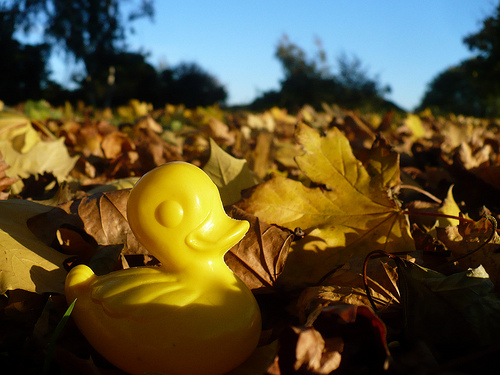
(57, 332)
(41, 110)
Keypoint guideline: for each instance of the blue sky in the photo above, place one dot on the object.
(405, 42)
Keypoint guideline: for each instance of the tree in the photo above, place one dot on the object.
(487, 40)
(26, 64)
(294, 61)
(310, 81)
(453, 91)
(92, 31)
(473, 86)
(189, 84)
(357, 87)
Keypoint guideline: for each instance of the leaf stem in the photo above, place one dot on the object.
(438, 214)
(422, 191)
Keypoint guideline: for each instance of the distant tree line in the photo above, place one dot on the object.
(471, 87)
(92, 32)
(311, 81)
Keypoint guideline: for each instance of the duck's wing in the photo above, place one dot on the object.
(142, 292)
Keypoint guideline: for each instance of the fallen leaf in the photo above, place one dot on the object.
(414, 124)
(43, 157)
(286, 153)
(309, 352)
(466, 238)
(258, 362)
(350, 217)
(152, 150)
(147, 122)
(17, 129)
(231, 175)
(219, 131)
(259, 258)
(261, 155)
(383, 165)
(336, 337)
(116, 143)
(25, 261)
(478, 162)
(345, 286)
(102, 216)
(454, 315)
(449, 207)
(264, 121)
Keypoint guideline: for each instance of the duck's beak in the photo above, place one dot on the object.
(217, 232)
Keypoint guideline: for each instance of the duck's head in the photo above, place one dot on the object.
(175, 211)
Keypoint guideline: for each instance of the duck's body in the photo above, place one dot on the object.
(191, 315)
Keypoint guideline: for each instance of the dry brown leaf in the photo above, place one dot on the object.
(346, 286)
(313, 355)
(152, 150)
(102, 216)
(220, 132)
(147, 122)
(465, 239)
(260, 257)
(116, 143)
(337, 337)
(261, 156)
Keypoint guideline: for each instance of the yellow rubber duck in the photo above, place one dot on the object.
(191, 315)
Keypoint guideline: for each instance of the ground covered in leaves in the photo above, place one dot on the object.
(373, 245)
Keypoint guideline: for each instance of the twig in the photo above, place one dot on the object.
(438, 214)
(422, 191)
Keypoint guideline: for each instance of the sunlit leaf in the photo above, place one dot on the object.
(25, 261)
(43, 157)
(231, 175)
(16, 128)
(348, 218)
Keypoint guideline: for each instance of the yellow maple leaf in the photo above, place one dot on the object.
(231, 175)
(351, 216)
(25, 261)
(44, 156)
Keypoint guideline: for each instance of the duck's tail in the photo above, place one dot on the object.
(77, 282)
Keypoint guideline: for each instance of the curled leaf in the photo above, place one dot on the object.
(260, 257)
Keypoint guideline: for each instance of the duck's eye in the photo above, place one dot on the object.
(169, 213)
